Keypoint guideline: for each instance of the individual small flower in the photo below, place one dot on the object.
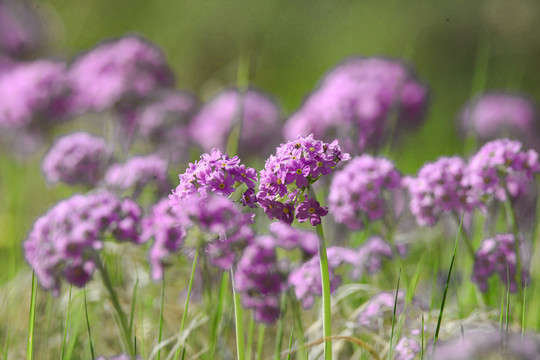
(116, 71)
(64, 242)
(76, 158)
(255, 113)
(288, 174)
(356, 100)
(379, 308)
(168, 233)
(441, 187)
(497, 256)
(360, 191)
(138, 172)
(214, 172)
(33, 94)
(406, 349)
(310, 210)
(498, 114)
(260, 280)
(502, 166)
(224, 226)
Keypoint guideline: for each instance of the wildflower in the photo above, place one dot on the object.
(497, 256)
(493, 115)
(259, 279)
(124, 69)
(406, 349)
(357, 193)
(289, 238)
(380, 307)
(138, 172)
(286, 176)
(440, 187)
(257, 115)
(64, 240)
(224, 227)
(76, 158)
(356, 98)
(214, 172)
(501, 162)
(168, 233)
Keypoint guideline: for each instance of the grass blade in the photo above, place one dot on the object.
(239, 322)
(219, 312)
(132, 310)
(394, 316)
(260, 341)
(160, 335)
(439, 320)
(186, 307)
(290, 345)
(66, 325)
(31, 320)
(88, 327)
(251, 330)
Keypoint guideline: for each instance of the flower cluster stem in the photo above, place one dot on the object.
(239, 320)
(120, 314)
(325, 281)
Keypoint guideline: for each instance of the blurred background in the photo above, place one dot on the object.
(458, 48)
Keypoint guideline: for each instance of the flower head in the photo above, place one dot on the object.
(76, 158)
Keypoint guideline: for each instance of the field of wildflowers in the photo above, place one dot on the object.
(195, 189)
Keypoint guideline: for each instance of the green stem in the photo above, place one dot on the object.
(464, 236)
(239, 321)
(511, 212)
(260, 341)
(32, 320)
(66, 325)
(184, 315)
(219, 311)
(325, 282)
(251, 330)
(120, 314)
(160, 333)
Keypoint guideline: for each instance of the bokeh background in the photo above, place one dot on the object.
(458, 48)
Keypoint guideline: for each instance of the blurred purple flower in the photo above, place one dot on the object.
(498, 162)
(21, 31)
(379, 308)
(76, 158)
(256, 113)
(494, 115)
(64, 240)
(358, 192)
(497, 256)
(354, 102)
(124, 69)
(440, 187)
(168, 233)
(139, 172)
(406, 349)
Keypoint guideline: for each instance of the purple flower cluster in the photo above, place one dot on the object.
(63, 242)
(357, 98)
(222, 223)
(287, 175)
(379, 308)
(496, 255)
(76, 158)
(256, 114)
(502, 162)
(306, 279)
(215, 173)
(488, 344)
(260, 280)
(163, 121)
(168, 233)
(139, 172)
(115, 71)
(20, 28)
(406, 349)
(494, 115)
(357, 193)
(32, 91)
(440, 187)
(289, 238)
